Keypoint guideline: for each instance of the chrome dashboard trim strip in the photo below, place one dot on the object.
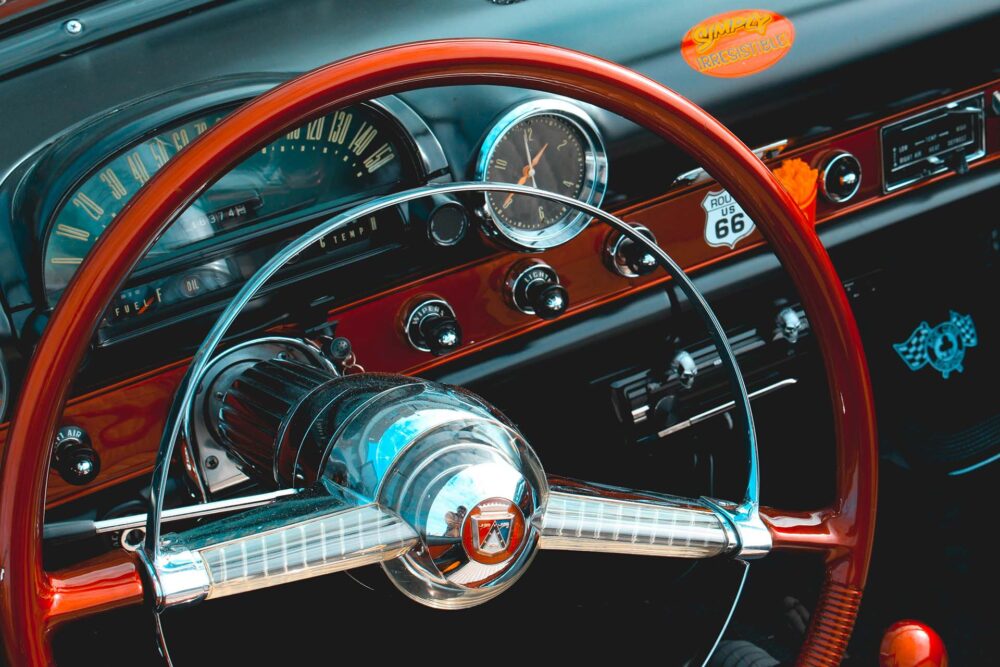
(719, 409)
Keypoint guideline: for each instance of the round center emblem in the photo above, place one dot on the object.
(493, 531)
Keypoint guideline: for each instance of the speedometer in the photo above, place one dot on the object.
(337, 158)
(551, 145)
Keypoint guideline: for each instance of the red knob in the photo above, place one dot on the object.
(911, 644)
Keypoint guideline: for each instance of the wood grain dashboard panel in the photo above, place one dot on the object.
(125, 420)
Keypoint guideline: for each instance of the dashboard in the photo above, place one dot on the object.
(880, 118)
(420, 286)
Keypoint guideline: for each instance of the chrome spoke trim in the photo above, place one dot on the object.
(581, 516)
(611, 525)
(297, 538)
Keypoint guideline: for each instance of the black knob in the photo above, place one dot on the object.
(338, 349)
(432, 327)
(534, 289)
(442, 334)
(958, 163)
(548, 300)
(447, 225)
(73, 457)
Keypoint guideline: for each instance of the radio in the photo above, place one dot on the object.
(932, 142)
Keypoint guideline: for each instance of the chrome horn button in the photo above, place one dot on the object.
(470, 485)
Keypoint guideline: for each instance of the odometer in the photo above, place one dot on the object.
(346, 155)
(550, 145)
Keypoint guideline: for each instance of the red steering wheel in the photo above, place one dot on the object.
(33, 601)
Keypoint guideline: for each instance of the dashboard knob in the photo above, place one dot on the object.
(841, 177)
(548, 300)
(73, 457)
(686, 368)
(447, 224)
(628, 258)
(789, 325)
(534, 289)
(431, 326)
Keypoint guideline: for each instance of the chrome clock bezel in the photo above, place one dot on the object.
(595, 178)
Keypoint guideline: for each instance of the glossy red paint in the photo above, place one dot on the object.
(109, 581)
(24, 615)
(124, 419)
(912, 644)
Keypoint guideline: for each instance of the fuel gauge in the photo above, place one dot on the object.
(135, 302)
(140, 302)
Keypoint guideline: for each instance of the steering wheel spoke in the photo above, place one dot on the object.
(581, 516)
(295, 538)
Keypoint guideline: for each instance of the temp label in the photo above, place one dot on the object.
(725, 220)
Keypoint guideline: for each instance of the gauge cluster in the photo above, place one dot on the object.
(332, 160)
(67, 195)
(321, 167)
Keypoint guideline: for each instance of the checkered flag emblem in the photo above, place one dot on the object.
(942, 346)
(914, 350)
(966, 328)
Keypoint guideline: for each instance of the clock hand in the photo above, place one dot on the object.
(531, 164)
(528, 171)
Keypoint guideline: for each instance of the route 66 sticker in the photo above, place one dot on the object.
(725, 221)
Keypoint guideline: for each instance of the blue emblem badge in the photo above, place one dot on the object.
(943, 346)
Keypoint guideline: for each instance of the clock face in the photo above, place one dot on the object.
(546, 152)
(552, 146)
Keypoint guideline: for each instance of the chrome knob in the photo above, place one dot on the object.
(628, 258)
(841, 177)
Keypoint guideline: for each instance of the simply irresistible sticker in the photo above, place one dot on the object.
(738, 43)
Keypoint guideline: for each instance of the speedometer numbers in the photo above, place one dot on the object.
(345, 155)
(547, 144)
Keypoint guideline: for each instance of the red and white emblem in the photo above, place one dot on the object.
(493, 531)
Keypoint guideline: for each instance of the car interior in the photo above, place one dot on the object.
(528, 330)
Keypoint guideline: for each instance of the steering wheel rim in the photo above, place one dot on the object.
(33, 601)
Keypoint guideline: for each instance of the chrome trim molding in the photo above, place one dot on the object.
(766, 152)
(719, 409)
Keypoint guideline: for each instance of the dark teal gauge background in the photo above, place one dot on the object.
(340, 157)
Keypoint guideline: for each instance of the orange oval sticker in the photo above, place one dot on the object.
(738, 43)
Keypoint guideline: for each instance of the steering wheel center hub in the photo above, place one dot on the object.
(440, 458)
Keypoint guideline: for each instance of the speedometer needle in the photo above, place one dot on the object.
(526, 173)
